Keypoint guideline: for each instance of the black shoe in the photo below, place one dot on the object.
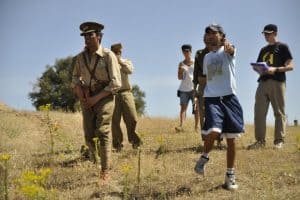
(137, 145)
(257, 145)
(118, 148)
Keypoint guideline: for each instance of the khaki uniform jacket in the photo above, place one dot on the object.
(106, 72)
(125, 70)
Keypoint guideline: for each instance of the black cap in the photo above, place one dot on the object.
(270, 28)
(88, 27)
(186, 47)
(215, 27)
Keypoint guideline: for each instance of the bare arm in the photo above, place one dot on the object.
(288, 66)
(180, 72)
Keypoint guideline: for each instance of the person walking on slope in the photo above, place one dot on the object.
(185, 90)
(223, 112)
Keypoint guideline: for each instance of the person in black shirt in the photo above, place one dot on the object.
(271, 88)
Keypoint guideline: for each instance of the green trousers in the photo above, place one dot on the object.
(124, 106)
(201, 104)
(97, 124)
(270, 91)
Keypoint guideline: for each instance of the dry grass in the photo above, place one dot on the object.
(167, 174)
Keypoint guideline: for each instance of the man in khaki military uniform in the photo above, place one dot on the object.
(95, 78)
(124, 105)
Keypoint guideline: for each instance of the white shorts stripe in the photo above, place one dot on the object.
(223, 135)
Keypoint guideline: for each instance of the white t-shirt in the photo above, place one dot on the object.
(186, 84)
(219, 68)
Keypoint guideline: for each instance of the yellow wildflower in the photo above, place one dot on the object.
(160, 139)
(5, 157)
(126, 168)
(33, 191)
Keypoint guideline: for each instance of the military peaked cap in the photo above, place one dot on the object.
(88, 27)
(116, 47)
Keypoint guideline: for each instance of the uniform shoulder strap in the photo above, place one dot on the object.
(92, 72)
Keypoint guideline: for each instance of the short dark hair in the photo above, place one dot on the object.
(216, 28)
(186, 47)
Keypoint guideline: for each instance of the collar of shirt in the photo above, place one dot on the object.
(100, 51)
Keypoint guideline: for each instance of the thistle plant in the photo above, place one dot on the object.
(5, 158)
(162, 148)
(139, 169)
(125, 169)
(52, 127)
(141, 135)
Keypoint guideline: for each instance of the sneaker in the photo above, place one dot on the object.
(179, 129)
(278, 145)
(230, 182)
(257, 145)
(199, 168)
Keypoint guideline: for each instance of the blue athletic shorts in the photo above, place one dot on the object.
(223, 115)
(185, 97)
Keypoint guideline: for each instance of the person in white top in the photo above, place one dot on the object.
(185, 90)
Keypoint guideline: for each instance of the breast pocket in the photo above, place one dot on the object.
(101, 70)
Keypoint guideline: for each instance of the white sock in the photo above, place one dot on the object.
(230, 170)
(205, 155)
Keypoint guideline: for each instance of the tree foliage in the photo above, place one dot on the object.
(139, 97)
(53, 87)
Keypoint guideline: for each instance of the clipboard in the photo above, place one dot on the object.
(260, 67)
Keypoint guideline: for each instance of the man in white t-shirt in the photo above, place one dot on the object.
(223, 112)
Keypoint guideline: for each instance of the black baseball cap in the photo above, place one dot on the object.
(270, 28)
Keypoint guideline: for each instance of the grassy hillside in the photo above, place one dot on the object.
(166, 159)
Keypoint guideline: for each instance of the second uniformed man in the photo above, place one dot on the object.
(124, 105)
(95, 78)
